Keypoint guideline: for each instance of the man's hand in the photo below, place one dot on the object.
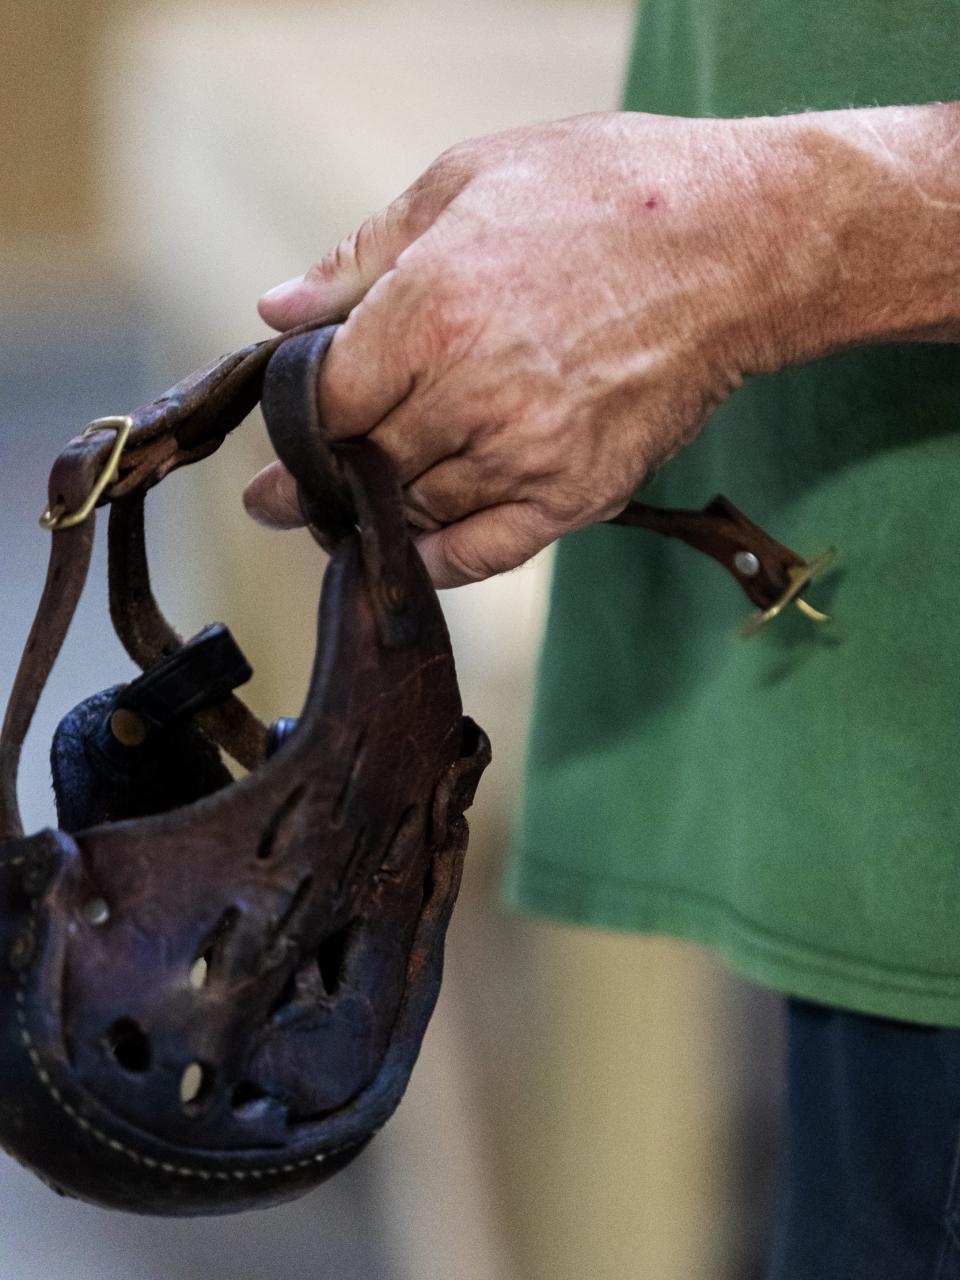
(549, 313)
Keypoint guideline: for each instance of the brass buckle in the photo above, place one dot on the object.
(798, 577)
(58, 518)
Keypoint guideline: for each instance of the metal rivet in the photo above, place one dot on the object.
(96, 911)
(746, 564)
(22, 950)
(128, 728)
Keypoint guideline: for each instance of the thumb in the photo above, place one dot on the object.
(332, 287)
(271, 498)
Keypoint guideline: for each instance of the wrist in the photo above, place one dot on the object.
(866, 204)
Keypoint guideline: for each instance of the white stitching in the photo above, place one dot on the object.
(182, 1171)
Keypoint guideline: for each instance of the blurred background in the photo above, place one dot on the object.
(586, 1105)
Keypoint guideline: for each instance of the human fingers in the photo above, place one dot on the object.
(333, 285)
(355, 389)
(444, 495)
(415, 426)
(271, 498)
(448, 492)
(392, 368)
(457, 487)
(486, 543)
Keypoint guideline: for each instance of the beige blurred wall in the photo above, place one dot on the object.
(48, 61)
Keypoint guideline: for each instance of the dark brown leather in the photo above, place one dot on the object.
(315, 892)
(212, 993)
(721, 531)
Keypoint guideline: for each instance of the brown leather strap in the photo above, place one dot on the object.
(292, 414)
(148, 637)
(70, 552)
(144, 632)
(724, 533)
(184, 425)
(342, 485)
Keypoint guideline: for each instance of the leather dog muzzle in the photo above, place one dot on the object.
(213, 992)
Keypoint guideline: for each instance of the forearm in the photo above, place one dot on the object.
(869, 225)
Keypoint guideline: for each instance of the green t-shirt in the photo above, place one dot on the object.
(794, 799)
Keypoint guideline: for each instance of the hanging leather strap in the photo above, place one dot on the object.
(184, 425)
(70, 554)
(148, 637)
(343, 485)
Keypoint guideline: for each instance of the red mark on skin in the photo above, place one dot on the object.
(652, 201)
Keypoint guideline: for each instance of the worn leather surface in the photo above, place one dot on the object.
(315, 892)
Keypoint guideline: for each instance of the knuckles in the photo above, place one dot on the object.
(444, 315)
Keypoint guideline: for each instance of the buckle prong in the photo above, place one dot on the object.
(58, 518)
(799, 576)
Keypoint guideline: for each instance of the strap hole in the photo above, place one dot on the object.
(195, 1085)
(130, 1045)
(331, 957)
(96, 912)
(249, 1101)
(209, 955)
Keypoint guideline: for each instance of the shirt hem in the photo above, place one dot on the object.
(792, 968)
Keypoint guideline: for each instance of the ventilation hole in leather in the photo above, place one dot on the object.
(271, 836)
(195, 1085)
(248, 1099)
(277, 944)
(130, 1046)
(209, 954)
(331, 958)
(291, 917)
(287, 996)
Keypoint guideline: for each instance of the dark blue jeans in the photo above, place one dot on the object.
(870, 1187)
